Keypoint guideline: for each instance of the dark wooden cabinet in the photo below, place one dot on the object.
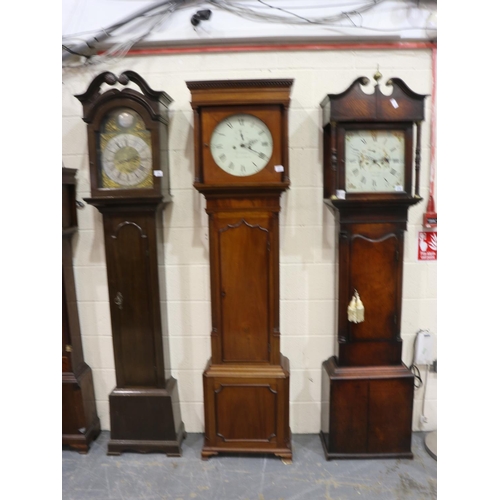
(127, 133)
(241, 152)
(80, 423)
(367, 411)
(369, 185)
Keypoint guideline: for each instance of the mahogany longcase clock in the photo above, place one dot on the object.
(127, 138)
(241, 166)
(80, 423)
(369, 184)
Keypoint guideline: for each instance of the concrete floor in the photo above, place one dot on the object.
(155, 476)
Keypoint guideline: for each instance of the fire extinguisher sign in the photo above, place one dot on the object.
(427, 245)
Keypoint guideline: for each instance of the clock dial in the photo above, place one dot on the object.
(241, 145)
(374, 161)
(126, 155)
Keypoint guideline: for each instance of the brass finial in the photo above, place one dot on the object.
(378, 75)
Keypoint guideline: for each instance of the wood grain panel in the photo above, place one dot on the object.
(377, 285)
(390, 415)
(244, 268)
(129, 283)
(246, 412)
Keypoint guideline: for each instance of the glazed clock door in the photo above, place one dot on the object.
(241, 146)
(130, 291)
(244, 249)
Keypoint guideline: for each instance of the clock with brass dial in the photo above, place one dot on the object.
(126, 157)
(127, 136)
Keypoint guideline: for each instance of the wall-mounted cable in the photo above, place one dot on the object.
(149, 19)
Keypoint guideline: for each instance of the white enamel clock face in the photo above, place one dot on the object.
(241, 145)
(374, 161)
(127, 160)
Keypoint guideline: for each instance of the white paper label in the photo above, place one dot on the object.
(394, 103)
(279, 168)
(399, 188)
(157, 173)
(340, 194)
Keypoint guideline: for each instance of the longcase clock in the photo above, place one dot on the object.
(80, 423)
(370, 182)
(241, 167)
(127, 139)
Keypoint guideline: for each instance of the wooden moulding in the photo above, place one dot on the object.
(210, 92)
(247, 409)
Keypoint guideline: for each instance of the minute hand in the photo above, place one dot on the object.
(261, 155)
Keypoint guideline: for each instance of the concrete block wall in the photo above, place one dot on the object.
(308, 269)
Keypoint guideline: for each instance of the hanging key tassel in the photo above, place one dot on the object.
(356, 309)
(360, 309)
(351, 310)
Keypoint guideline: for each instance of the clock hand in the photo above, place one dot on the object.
(261, 155)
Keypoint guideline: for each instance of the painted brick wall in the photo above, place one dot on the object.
(307, 265)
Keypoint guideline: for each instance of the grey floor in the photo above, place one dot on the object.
(155, 476)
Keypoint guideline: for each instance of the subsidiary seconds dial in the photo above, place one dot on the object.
(241, 145)
(374, 160)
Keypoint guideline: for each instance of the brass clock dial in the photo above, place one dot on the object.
(126, 155)
(374, 161)
(241, 145)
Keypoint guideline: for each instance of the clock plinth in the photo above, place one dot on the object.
(369, 184)
(241, 155)
(146, 420)
(366, 412)
(246, 409)
(127, 137)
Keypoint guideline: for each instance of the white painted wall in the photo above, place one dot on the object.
(307, 269)
(389, 19)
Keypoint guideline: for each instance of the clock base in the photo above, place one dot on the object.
(366, 412)
(146, 420)
(80, 423)
(247, 409)
(350, 456)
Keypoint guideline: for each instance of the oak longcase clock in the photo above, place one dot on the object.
(370, 182)
(80, 423)
(127, 139)
(241, 167)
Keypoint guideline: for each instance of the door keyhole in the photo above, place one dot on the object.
(119, 300)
